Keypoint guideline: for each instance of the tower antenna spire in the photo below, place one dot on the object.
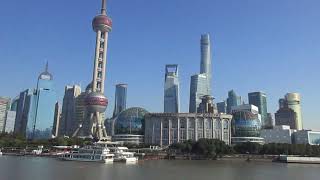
(104, 7)
(46, 70)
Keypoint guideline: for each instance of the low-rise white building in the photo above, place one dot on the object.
(167, 128)
(279, 134)
(307, 137)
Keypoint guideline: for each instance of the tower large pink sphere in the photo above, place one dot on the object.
(96, 102)
(102, 23)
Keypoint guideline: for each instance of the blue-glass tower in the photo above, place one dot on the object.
(44, 100)
(233, 100)
(120, 103)
(171, 89)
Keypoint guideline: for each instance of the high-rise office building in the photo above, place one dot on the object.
(57, 117)
(198, 88)
(10, 120)
(25, 111)
(222, 107)
(233, 100)
(171, 89)
(205, 65)
(40, 127)
(286, 116)
(14, 104)
(120, 102)
(269, 123)
(292, 118)
(82, 125)
(259, 99)
(4, 107)
(67, 122)
(293, 100)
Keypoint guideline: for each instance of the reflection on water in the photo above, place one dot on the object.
(29, 168)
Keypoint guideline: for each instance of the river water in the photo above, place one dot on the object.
(36, 168)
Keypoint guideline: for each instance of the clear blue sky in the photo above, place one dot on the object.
(273, 46)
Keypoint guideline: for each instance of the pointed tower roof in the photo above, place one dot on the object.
(46, 75)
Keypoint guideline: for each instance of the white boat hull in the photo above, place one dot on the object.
(107, 161)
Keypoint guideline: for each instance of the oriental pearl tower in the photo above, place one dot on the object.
(96, 103)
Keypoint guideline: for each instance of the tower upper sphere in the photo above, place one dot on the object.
(102, 22)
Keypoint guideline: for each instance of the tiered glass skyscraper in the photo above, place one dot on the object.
(120, 102)
(200, 84)
(171, 89)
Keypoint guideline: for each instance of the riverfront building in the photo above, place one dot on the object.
(129, 126)
(246, 124)
(171, 89)
(120, 102)
(259, 99)
(4, 107)
(306, 137)
(167, 128)
(279, 134)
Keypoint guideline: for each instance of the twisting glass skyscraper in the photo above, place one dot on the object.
(171, 89)
(200, 84)
(120, 102)
(205, 66)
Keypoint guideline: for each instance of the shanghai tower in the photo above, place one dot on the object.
(205, 65)
(200, 84)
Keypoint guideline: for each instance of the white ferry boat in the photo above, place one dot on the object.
(89, 154)
(121, 154)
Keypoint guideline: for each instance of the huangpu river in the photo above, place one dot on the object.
(39, 168)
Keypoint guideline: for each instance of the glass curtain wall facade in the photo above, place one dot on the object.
(198, 88)
(171, 89)
(205, 64)
(246, 124)
(120, 103)
(233, 100)
(67, 124)
(45, 100)
(259, 99)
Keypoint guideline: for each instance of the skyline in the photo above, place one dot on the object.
(170, 47)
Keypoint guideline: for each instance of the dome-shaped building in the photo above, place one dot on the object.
(246, 124)
(128, 126)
